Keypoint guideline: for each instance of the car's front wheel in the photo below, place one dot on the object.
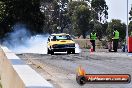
(73, 51)
(68, 52)
(48, 51)
(52, 52)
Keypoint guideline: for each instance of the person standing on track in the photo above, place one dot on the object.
(115, 40)
(93, 37)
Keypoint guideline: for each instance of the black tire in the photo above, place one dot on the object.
(52, 52)
(48, 51)
(81, 80)
(68, 52)
(73, 51)
(109, 50)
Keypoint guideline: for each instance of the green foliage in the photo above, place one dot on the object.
(80, 16)
(118, 25)
(59, 16)
(2, 10)
(99, 14)
(130, 13)
(130, 24)
(130, 28)
(84, 20)
(22, 11)
(99, 30)
(77, 17)
(2, 15)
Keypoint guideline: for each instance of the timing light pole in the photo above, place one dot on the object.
(127, 26)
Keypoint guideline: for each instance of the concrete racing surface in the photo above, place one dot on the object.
(60, 69)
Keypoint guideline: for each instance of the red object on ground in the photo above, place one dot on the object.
(91, 50)
(130, 44)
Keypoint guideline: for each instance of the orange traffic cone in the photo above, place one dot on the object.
(91, 50)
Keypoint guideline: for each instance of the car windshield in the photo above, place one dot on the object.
(61, 37)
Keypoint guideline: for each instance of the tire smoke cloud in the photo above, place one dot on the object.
(20, 41)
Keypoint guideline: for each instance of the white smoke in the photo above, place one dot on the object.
(77, 49)
(17, 37)
(36, 44)
(21, 41)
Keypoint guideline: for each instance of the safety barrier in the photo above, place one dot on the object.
(14, 73)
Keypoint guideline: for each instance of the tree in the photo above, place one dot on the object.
(2, 15)
(130, 24)
(63, 18)
(58, 16)
(2, 10)
(130, 13)
(116, 24)
(80, 17)
(24, 12)
(100, 28)
(72, 6)
(99, 10)
(130, 28)
(104, 28)
(99, 14)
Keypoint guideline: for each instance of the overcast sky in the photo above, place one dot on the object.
(118, 9)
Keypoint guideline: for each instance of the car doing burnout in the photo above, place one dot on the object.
(60, 43)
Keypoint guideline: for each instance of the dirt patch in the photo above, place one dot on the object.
(85, 43)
